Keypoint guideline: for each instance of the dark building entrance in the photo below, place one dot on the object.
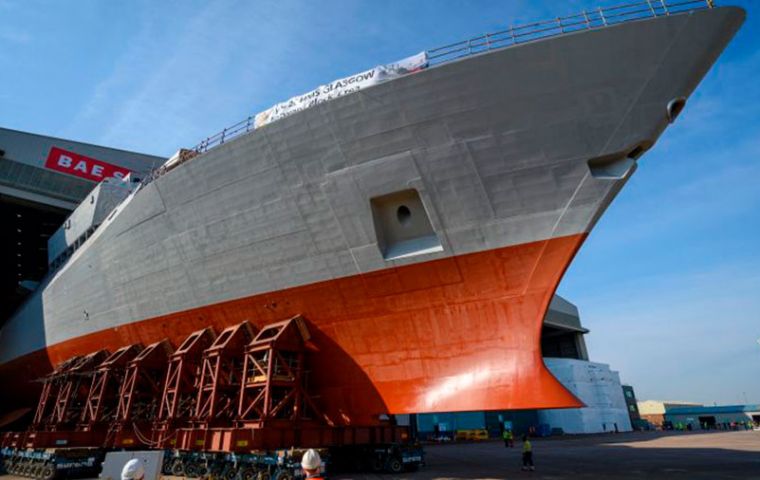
(708, 421)
(24, 262)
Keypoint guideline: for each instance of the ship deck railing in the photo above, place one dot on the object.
(585, 20)
(514, 35)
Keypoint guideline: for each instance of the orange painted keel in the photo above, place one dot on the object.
(454, 334)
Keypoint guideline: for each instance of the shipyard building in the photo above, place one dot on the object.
(675, 414)
(714, 417)
(42, 180)
(653, 411)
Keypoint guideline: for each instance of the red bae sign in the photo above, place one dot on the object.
(85, 167)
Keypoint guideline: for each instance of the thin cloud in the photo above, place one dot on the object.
(15, 37)
(160, 99)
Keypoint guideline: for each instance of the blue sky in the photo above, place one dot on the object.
(668, 282)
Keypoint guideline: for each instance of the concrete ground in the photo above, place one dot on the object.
(637, 455)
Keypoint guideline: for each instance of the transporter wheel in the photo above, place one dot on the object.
(263, 475)
(201, 469)
(216, 469)
(248, 473)
(284, 475)
(166, 467)
(178, 468)
(191, 470)
(230, 472)
(47, 473)
(37, 470)
(394, 465)
(27, 470)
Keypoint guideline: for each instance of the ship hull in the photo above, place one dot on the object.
(461, 333)
(514, 155)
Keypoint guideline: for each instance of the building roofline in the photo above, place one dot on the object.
(41, 135)
(563, 326)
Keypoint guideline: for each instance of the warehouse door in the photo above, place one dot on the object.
(708, 422)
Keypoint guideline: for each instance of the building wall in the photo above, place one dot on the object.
(658, 407)
(714, 417)
(562, 335)
(521, 421)
(651, 407)
(630, 402)
(596, 386)
(655, 419)
(721, 420)
(25, 173)
(633, 409)
(556, 343)
(33, 149)
(450, 422)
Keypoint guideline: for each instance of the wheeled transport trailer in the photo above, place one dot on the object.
(234, 405)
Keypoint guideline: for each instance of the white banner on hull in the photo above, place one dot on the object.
(343, 86)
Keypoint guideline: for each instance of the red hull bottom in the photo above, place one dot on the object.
(455, 334)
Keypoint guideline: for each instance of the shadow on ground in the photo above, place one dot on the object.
(638, 455)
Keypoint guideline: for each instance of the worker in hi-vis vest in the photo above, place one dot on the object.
(527, 454)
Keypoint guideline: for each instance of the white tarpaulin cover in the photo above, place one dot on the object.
(343, 86)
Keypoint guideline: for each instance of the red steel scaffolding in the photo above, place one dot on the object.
(239, 392)
(177, 403)
(139, 395)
